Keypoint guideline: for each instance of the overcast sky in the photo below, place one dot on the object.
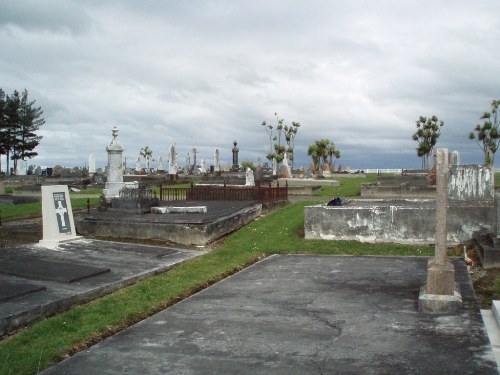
(204, 73)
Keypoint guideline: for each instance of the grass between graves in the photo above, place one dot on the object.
(349, 186)
(26, 210)
(280, 232)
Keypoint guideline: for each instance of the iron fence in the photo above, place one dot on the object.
(225, 193)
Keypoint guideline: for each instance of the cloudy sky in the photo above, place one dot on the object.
(204, 73)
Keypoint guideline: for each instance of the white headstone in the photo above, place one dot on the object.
(172, 160)
(275, 167)
(160, 164)
(286, 164)
(37, 171)
(114, 181)
(22, 168)
(148, 163)
(57, 214)
(250, 181)
(203, 167)
(138, 164)
(92, 169)
(216, 160)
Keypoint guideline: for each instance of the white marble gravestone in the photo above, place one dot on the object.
(114, 181)
(92, 169)
(57, 214)
(275, 167)
(172, 160)
(216, 160)
(250, 180)
(203, 167)
(160, 168)
(138, 164)
(22, 168)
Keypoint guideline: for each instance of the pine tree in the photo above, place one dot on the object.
(12, 124)
(30, 120)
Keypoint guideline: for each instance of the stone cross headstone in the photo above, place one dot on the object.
(250, 181)
(138, 164)
(114, 181)
(275, 167)
(22, 168)
(92, 169)
(160, 164)
(172, 160)
(439, 294)
(57, 214)
(216, 160)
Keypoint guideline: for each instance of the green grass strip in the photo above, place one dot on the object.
(26, 210)
(54, 338)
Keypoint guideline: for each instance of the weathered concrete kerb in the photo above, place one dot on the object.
(302, 315)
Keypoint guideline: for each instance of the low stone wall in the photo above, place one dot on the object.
(397, 191)
(401, 221)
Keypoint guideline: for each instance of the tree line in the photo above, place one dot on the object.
(486, 135)
(20, 119)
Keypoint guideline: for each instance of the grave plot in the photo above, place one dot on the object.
(36, 281)
(182, 226)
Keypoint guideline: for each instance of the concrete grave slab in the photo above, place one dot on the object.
(34, 268)
(302, 315)
(10, 290)
(187, 228)
(127, 263)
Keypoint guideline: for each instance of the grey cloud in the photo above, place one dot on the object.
(53, 16)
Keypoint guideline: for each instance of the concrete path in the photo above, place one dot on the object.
(302, 315)
(36, 282)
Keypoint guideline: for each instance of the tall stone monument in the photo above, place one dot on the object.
(235, 150)
(216, 161)
(275, 166)
(440, 294)
(160, 168)
(114, 181)
(138, 164)
(92, 169)
(194, 159)
(172, 161)
(187, 165)
(203, 167)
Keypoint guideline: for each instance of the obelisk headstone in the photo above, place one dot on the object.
(235, 151)
(440, 294)
(57, 214)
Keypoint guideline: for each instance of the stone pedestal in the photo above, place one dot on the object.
(115, 169)
(440, 278)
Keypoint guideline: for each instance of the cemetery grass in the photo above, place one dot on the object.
(27, 210)
(279, 232)
(349, 187)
